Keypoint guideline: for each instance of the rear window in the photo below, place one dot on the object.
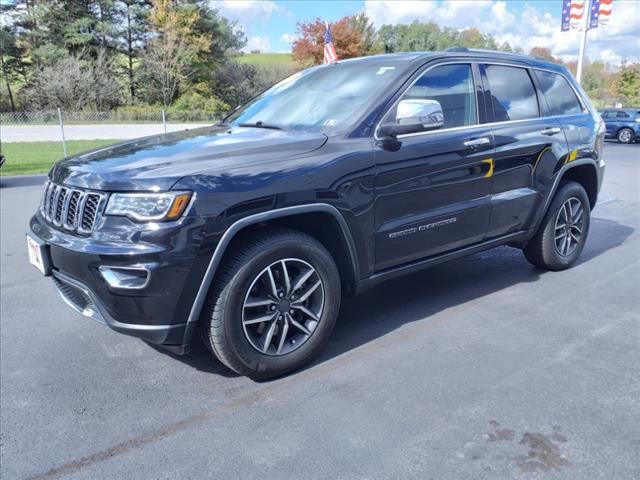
(512, 93)
(623, 115)
(561, 98)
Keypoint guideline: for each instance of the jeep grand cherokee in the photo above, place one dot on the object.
(339, 177)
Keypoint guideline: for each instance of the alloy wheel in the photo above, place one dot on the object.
(283, 307)
(625, 135)
(569, 226)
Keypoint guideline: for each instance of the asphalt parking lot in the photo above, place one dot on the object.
(480, 368)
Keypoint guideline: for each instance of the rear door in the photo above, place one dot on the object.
(432, 192)
(528, 147)
(609, 118)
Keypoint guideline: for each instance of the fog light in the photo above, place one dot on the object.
(126, 277)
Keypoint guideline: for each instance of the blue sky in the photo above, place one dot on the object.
(271, 25)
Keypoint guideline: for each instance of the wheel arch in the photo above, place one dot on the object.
(587, 176)
(311, 219)
(583, 171)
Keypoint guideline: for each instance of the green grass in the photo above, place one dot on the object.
(37, 157)
(266, 58)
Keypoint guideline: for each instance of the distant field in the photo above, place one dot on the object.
(266, 58)
(37, 157)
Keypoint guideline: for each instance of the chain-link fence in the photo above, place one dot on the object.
(62, 126)
(146, 115)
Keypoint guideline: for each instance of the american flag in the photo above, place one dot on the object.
(572, 13)
(599, 13)
(330, 55)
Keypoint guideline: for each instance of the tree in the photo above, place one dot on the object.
(170, 57)
(627, 84)
(545, 54)
(368, 33)
(75, 83)
(348, 40)
(133, 34)
(10, 62)
(237, 83)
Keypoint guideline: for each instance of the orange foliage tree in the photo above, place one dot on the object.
(348, 40)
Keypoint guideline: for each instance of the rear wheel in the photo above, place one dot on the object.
(561, 237)
(273, 305)
(626, 135)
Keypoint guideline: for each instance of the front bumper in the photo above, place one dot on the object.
(156, 313)
(79, 297)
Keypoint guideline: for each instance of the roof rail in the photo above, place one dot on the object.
(457, 49)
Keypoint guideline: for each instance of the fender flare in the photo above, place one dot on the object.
(556, 183)
(236, 227)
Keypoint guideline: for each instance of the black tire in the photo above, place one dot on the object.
(224, 328)
(626, 135)
(543, 250)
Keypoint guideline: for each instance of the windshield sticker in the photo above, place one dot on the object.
(383, 70)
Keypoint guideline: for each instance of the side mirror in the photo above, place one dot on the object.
(415, 115)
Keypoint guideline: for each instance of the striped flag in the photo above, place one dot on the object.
(572, 13)
(330, 55)
(600, 12)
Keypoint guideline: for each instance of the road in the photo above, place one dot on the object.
(482, 368)
(106, 131)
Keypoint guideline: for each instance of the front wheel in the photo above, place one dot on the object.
(626, 135)
(563, 232)
(273, 305)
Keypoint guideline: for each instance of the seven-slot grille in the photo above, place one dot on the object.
(69, 208)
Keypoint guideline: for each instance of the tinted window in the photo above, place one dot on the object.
(623, 115)
(512, 93)
(561, 98)
(452, 86)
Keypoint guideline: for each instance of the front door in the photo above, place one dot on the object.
(433, 192)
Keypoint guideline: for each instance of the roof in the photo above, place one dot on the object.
(419, 57)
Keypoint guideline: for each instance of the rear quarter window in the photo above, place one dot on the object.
(561, 98)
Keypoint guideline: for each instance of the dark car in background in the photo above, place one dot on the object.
(622, 124)
(337, 178)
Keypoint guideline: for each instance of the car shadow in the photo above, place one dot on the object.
(418, 296)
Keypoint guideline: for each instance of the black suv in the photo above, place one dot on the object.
(340, 176)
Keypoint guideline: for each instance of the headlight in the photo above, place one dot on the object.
(148, 206)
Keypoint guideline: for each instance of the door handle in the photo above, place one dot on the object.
(550, 131)
(476, 142)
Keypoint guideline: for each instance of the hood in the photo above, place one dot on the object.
(158, 162)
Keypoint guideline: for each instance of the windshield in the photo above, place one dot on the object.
(324, 99)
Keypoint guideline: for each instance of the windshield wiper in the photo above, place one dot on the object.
(260, 124)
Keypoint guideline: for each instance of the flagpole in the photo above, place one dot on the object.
(583, 42)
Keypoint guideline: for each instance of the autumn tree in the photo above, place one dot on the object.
(545, 54)
(627, 84)
(348, 40)
(171, 55)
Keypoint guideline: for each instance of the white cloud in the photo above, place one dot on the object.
(532, 27)
(258, 43)
(246, 11)
(288, 38)
(383, 12)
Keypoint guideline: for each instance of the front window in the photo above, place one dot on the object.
(325, 99)
(452, 87)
